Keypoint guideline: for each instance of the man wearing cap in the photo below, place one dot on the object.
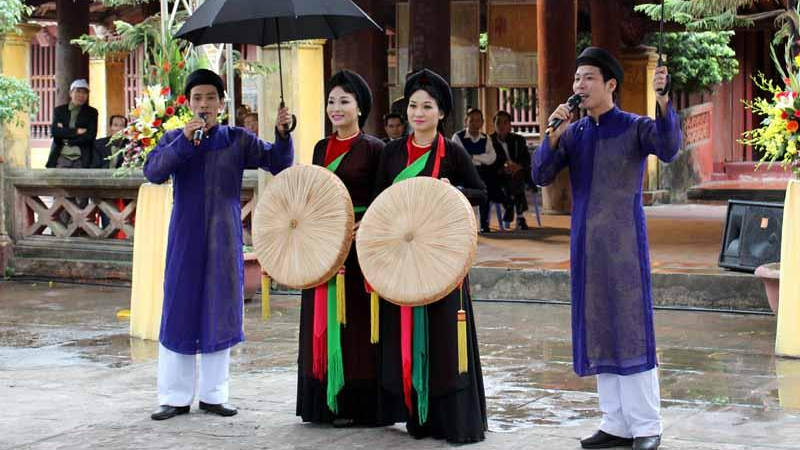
(203, 282)
(74, 129)
(612, 306)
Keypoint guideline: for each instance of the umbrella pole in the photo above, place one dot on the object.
(280, 63)
(660, 63)
(231, 85)
(288, 128)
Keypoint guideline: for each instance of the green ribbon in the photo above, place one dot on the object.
(420, 358)
(335, 163)
(414, 169)
(420, 362)
(335, 363)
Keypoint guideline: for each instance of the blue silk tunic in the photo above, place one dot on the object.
(612, 305)
(203, 283)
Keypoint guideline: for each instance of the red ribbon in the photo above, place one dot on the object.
(320, 336)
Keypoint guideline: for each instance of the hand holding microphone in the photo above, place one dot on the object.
(562, 113)
(195, 128)
(198, 133)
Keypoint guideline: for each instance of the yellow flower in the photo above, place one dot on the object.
(797, 60)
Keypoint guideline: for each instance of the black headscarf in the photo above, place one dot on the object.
(436, 86)
(598, 57)
(354, 84)
(204, 76)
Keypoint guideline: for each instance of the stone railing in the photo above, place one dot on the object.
(80, 223)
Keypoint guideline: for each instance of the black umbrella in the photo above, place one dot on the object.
(266, 22)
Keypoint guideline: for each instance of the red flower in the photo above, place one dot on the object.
(181, 65)
(146, 142)
(792, 126)
(166, 66)
(169, 111)
(787, 80)
(181, 99)
(784, 115)
(165, 91)
(157, 123)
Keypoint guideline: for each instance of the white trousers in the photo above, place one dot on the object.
(177, 374)
(631, 404)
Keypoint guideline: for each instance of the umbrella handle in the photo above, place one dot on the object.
(667, 86)
(289, 128)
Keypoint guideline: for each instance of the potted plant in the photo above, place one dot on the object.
(770, 275)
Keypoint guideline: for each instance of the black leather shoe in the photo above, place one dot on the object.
(601, 439)
(522, 224)
(646, 442)
(220, 409)
(165, 412)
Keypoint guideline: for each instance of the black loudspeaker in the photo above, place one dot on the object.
(752, 235)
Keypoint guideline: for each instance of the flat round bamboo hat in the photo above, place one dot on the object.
(417, 241)
(303, 226)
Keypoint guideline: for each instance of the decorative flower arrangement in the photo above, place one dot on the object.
(156, 113)
(777, 137)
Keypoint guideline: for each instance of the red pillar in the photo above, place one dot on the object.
(429, 43)
(556, 50)
(605, 21)
(71, 63)
(364, 52)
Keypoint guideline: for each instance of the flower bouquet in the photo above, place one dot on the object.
(156, 113)
(777, 136)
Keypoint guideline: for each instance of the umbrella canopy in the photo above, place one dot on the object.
(265, 22)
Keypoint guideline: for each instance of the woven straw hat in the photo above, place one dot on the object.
(303, 226)
(417, 241)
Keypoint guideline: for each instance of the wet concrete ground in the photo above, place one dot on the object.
(684, 238)
(70, 377)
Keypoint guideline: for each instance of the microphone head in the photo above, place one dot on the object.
(574, 101)
(203, 116)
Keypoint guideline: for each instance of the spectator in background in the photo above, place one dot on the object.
(104, 148)
(487, 161)
(241, 112)
(515, 172)
(251, 122)
(394, 125)
(74, 129)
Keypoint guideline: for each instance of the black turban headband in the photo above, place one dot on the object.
(351, 81)
(598, 57)
(436, 85)
(201, 77)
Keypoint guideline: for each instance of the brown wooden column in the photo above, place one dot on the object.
(556, 22)
(605, 20)
(429, 43)
(71, 63)
(364, 52)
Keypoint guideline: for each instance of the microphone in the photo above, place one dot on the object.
(198, 133)
(573, 103)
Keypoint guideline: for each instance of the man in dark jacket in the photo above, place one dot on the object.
(516, 171)
(74, 129)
